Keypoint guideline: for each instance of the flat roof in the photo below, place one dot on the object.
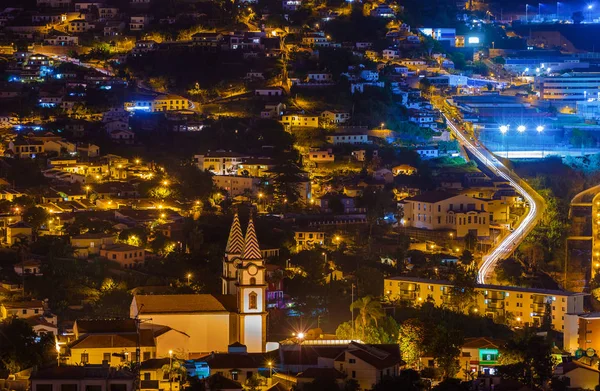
(491, 287)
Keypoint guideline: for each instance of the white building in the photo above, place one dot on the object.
(348, 138)
(236, 185)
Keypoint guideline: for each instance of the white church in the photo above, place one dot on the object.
(212, 322)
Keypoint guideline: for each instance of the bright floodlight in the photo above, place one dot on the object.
(526, 69)
(300, 335)
(540, 129)
(503, 129)
(521, 128)
(590, 6)
(537, 70)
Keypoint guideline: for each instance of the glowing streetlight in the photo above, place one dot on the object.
(503, 129)
(540, 129)
(521, 128)
(189, 275)
(165, 182)
(137, 161)
(270, 364)
(590, 6)
(300, 335)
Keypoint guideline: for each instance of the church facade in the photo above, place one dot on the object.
(213, 322)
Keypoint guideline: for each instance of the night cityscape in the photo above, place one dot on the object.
(299, 195)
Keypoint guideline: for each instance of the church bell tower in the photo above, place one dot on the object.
(233, 251)
(251, 293)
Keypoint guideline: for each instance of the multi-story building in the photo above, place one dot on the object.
(335, 117)
(300, 120)
(306, 240)
(124, 254)
(440, 210)
(139, 22)
(573, 86)
(526, 306)
(79, 26)
(348, 138)
(220, 162)
(236, 184)
(324, 156)
(167, 102)
(582, 331)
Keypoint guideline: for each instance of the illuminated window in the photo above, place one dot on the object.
(252, 302)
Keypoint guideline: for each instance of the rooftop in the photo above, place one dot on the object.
(156, 304)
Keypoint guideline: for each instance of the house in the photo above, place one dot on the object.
(369, 364)
(61, 39)
(300, 120)
(348, 138)
(114, 28)
(441, 210)
(256, 167)
(361, 154)
(269, 91)
(306, 240)
(21, 309)
(24, 148)
(18, 231)
(110, 341)
(579, 376)
(124, 254)
(325, 156)
(139, 22)
(582, 331)
(99, 378)
(144, 46)
(326, 203)
(236, 185)
(154, 375)
(481, 354)
(122, 136)
(90, 243)
(220, 162)
(319, 77)
(31, 267)
(428, 152)
(423, 118)
(335, 117)
(390, 54)
(79, 26)
(235, 364)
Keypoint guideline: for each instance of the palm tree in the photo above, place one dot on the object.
(369, 310)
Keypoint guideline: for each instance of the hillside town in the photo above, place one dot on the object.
(299, 195)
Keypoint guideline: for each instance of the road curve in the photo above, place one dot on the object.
(509, 243)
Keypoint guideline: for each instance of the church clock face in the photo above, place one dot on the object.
(252, 270)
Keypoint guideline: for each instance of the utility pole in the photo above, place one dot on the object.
(352, 311)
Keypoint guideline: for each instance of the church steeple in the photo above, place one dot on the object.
(251, 247)
(233, 251)
(235, 242)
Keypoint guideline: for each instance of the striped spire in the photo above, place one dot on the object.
(251, 247)
(235, 243)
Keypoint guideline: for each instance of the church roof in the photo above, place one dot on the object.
(235, 243)
(251, 247)
(159, 304)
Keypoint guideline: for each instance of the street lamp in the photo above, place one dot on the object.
(325, 255)
(170, 370)
(521, 128)
(165, 182)
(300, 336)
(270, 364)
(503, 129)
(189, 275)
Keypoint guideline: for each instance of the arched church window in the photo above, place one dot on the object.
(253, 301)
(252, 281)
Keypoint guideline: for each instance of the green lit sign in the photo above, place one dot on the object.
(488, 356)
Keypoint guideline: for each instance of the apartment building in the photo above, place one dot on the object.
(441, 210)
(166, 102)
(582, 331)
(527, 306)
(236, 185)
(220, 162)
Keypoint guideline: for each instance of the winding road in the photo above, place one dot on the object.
(536, 203)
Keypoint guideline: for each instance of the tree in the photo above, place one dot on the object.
(411, 337)
(36, 217)
(369, 310)
(408, 380)
(527, 357)
(20, 346)
(445, 345)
